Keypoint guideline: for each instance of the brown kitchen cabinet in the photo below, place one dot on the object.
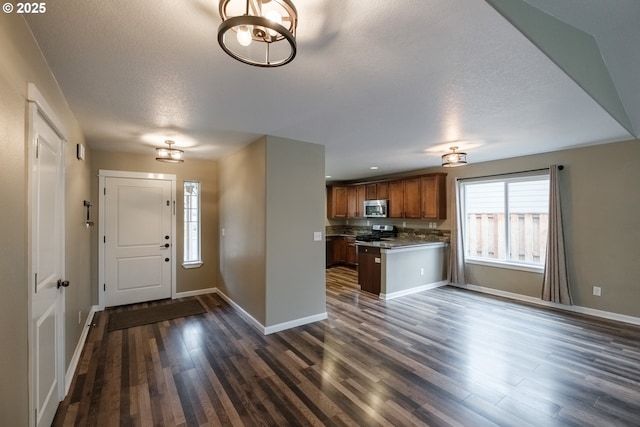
(396, 199)
(369, 269)
(337, 206)
(355, 201)
(351, 256)
(341, 250)
(404, 198)
(415, 197)
(336, 250)
(412, 198)
(434, 196)
(377, 191)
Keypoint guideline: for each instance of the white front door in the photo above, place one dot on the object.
(47, 255)
(138, 240)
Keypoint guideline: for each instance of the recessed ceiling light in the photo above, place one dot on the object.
(327, 176)
(373, 168)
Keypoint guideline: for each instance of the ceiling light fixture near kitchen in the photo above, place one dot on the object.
(169, 155)
(265, 31)
(454, 158)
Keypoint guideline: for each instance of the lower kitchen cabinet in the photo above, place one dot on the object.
(369, 269)
(341, 250)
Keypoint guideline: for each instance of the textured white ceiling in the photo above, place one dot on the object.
(391, 84)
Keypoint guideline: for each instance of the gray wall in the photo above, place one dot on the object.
(295, 210)
(271, 202)
(602, 225)
(401, 269)
(242, 217)
(204, 171)
(21, 62)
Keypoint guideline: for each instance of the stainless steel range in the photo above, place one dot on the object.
(378, 232)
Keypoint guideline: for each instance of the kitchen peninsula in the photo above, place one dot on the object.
(397, 267)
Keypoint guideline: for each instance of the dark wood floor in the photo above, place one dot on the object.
(443, 357)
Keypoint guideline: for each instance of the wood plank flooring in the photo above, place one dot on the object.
(443, 357)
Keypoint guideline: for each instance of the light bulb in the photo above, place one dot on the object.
(244, 35)
(275, 17)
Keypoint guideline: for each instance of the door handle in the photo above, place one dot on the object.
(166, 245)
(62, 284)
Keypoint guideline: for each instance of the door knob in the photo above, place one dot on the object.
(166, 237)
(62, 284)
(166, 260)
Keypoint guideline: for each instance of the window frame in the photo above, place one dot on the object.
(197, 262)
(505, 179)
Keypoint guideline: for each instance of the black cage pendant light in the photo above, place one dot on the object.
(259, 32)
(454, 158)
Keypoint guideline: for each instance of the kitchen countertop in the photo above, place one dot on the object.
(401, 243)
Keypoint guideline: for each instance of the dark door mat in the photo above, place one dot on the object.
(158, 313)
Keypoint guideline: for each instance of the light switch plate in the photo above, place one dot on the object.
(317, 236)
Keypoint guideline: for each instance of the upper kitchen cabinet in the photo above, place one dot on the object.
(404, 198)
(356, 196)
(396, 199)
(412, 198)
(377, 191)
(337, 205)
(434, 196)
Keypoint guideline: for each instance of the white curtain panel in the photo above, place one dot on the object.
(456, 246)
(555, 285)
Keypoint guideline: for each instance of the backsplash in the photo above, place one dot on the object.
(430, 235)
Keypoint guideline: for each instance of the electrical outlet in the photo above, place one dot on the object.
(404, 224)
(597, 291)
(421, 271)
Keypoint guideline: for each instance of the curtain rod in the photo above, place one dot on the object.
(560, 167)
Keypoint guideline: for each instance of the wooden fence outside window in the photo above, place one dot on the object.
(527, 242)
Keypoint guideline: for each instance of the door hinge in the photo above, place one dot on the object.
(104, 191)
(174, 207)
(104, 287)
(35, 285)
(104, 239)
(37, 147)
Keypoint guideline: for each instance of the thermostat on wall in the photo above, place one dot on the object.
(80, 151)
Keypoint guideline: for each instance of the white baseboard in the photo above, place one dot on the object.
(417, 289)
(293, 323)
(573, 308)
(242, 311)
(73, 365)
(270, 329)
(194, 293)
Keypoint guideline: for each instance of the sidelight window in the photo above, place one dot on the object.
(506, 220)
(192, 248)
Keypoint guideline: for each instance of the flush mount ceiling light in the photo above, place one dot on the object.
(169, 155)
(454, 158)
(259, 32)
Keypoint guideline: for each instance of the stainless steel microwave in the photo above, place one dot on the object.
(375, 208)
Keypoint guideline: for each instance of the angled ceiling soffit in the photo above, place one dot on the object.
(573, 50)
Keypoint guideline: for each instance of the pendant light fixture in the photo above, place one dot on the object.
(454, 158)
(169, 155)
(259, 32)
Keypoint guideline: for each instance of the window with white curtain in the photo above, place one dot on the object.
(192, 253)
(506, 220)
